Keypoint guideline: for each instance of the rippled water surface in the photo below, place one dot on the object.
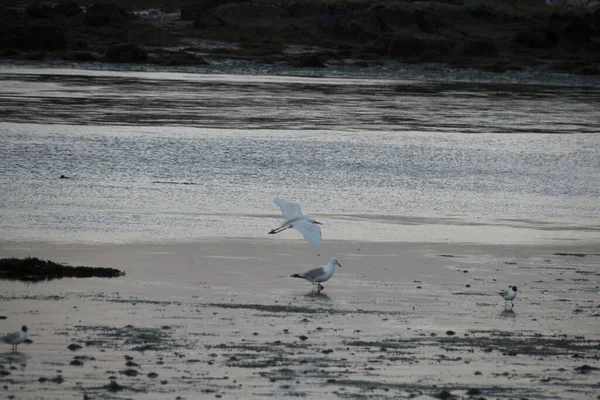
(154, 156)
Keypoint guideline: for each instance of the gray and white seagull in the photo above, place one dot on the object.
(15, 338)
(321, 274)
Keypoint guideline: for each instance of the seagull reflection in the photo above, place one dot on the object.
(508, 314)
(316, 296)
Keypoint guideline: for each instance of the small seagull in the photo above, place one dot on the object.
(320, 274)
(292, 214)
(15, 338)
(509, 295)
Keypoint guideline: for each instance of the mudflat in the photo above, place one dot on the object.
(223, 318)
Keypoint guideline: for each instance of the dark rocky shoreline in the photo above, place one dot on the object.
(32, 269)
(312, 34)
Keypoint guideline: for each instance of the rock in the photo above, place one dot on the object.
(113, 386)
(152, 375)
(77, 363)
(131, 364)
(309, 9)
(100, 15)
(444, 395)
(403, 45)
(68, 9)
(308, 61)
(480, 48)
(42, 11)
(125, 53)
(37, 35)
(130, 372)
(81, 56)
(243, 11)
(570, 27)
(57, 379)
(586, 369)
(474, 392)
(74, 347)
(537, 37)
(302, 337)
(450, 333)
(199, 9)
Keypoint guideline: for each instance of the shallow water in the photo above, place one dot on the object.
(174, 156)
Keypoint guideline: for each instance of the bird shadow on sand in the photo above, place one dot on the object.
(317, 297)
(508, 314)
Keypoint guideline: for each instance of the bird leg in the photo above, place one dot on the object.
(277, 230)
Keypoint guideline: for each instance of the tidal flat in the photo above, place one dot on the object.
(223, 318)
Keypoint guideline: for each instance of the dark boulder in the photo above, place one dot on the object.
(304, 9)
(68, 9)
(125, 53)
(570, 27)
(407, 45)
(81, 56)
(308, 61)
(40, 11)
(242, 11)
(100, 15)
(40, 35)
(537, 37)
(480, 48)
(199, 9)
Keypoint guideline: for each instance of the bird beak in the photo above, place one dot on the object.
(338, 264)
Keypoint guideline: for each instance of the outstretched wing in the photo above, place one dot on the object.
(310, 231)
(289, 209)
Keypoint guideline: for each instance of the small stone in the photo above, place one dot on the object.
(74, 347)
(450, 333)
(152, 375)
(42, 379)
(128, 358)
(131, 364)
(130, 372)
(58, 379)
(444, 395)
(474, 392)
(478, 373)
(77, 363)
(165, 327)
(302, 337)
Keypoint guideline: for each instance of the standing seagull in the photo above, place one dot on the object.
(509, 295)
(320, 274)
(292, 214)
(15, 338)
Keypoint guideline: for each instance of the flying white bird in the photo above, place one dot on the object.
(320, 274)
(509, 295)
(15, 338)
(292, 214)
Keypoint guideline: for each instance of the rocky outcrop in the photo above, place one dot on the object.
(125, 53)
(102, 15)
(306, 33)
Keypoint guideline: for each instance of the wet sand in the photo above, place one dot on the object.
(223, 318)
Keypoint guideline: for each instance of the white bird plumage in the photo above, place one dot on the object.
(509, 295)
(15, 338)
(292, 214)
(320, 274)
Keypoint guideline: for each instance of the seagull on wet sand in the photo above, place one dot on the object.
(292, 214)
(320, 274)
(15, 338)
(509, 295)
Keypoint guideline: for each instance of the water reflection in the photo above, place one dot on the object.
(318, 297)
(508, 314)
